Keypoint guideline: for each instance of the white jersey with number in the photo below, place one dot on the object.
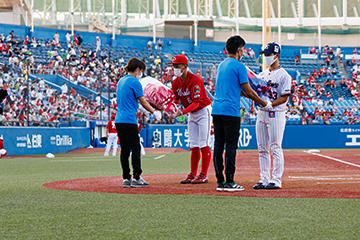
(270, 126)
(280, 82)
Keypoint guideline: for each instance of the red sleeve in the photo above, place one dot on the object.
(173, 88)
(197, 90)
(191, 107)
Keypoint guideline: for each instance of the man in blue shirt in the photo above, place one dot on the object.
(231, 82)
(129, 92)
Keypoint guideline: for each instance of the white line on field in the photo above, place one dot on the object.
(98, 160)
(324, 178)
(161, 156)
(335, 159)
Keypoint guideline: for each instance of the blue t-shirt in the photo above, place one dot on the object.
(230, 75)
(128, 91)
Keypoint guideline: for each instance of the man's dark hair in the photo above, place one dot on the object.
(135, 63)
(234, 43)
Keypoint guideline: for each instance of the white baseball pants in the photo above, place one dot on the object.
(269, 135)
(112, 140)
(199, 127)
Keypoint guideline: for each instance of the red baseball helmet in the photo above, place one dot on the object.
(112, 116)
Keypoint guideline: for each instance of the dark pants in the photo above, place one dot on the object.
(226, 131)
(129, 141)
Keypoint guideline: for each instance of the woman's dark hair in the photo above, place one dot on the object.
(234, 43)
(135, 63)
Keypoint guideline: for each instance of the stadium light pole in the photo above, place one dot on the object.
(72, 16)
(27, 96)
(319, 24)
(69, 100)
(109, 78)
(113, 20)
(237, 16)
(279, 22)
(344, 14)
(265, 12)
(99, 78)
(154, 22)
(195, 23)
(32, 15)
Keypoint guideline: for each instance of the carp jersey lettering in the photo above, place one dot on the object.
(191, 90)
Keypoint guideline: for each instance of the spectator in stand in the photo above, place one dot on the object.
(159, 44)
(251, 53)
(353, 61)
(80, 40)
(68, 38)
(341, 98)
(310, 50)
(327, 61)
(330, 51)
(150, 45)
(334, 71)
(354, 51)
(325, 49)
(207, 76)
(198, 73)
(13, 60)
(356, 68)
(315, 50)
(319, 101)
(98, 100)
(57, 38)
(343, 83)
(332, 83)
(328, 94)
(121, 61)
(297, 59)
(98, 44)
(338, 53)
(64, 88)
(323, 71)
(327, 83)
(213, 71)
(157, 61)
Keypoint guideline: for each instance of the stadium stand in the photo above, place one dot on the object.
(46, 70)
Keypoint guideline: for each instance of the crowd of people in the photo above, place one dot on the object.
(92, 68)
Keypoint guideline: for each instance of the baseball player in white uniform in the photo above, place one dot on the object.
(270, 124)
(112, 137)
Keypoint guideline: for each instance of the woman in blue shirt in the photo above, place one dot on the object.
(129, 93)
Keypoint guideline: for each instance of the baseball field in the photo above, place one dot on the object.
(79, 196)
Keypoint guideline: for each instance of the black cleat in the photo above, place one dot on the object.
(259, 185)
(272, 186)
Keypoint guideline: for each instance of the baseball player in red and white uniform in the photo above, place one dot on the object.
(270, 124)
(190, 91)
(3, 151)
(112, 136)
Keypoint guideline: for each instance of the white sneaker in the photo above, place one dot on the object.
(139, 183)
(126, 183)
(106, 154)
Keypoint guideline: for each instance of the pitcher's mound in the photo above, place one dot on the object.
(169, 184)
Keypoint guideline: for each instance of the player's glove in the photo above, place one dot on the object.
(268, 107)
(157, 115)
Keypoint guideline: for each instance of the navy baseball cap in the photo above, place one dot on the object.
(271, 48)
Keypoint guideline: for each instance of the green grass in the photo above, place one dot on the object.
(30, 211)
